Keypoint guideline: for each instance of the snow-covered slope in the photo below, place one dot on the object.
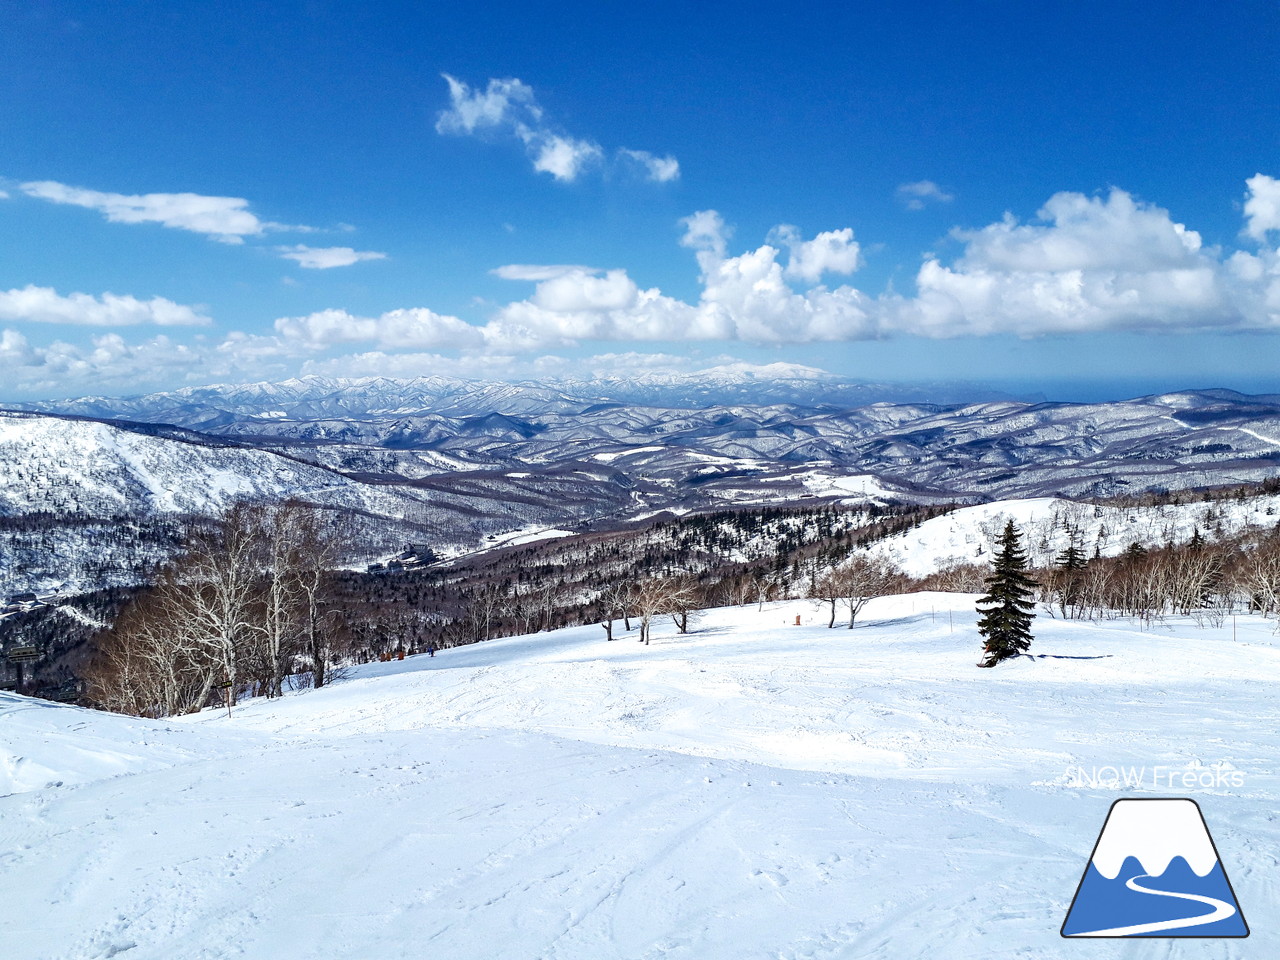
(1049, 524)
(753, 789)
(73, 466)
(73, 492)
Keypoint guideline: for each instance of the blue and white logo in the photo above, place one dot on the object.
(1154, 873)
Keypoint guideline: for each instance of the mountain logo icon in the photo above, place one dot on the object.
(1154, 872)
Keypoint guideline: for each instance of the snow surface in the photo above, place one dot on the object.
(752, 789)
(968, 534)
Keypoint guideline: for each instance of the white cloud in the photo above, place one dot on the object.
(1085, 233)
(658, 169)
(508, 107)
(34, 304)
(325, 258)
(706, 232)
(406, 329)
(833, 251)
(582, 291)
(1083, 264)
(1262, 206)
(4, 195)
(744, 298)
(107, 361)
(538, 271)
(506, 102)
(223, 218)
(914, 196)
(1091, 264)
(562, 157)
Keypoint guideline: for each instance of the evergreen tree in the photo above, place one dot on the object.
(1005, 624)
(1070, 562)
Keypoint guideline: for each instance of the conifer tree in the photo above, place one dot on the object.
(1071, 562)
(1005, 623)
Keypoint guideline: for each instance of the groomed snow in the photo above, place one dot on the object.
(753, 789)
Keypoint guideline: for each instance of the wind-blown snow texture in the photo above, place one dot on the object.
(753, 789)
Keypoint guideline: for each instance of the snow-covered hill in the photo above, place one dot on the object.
(1049, 525)
(753, 789)
(85, 467)
(83, 502)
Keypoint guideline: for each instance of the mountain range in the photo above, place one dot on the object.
(462, 463)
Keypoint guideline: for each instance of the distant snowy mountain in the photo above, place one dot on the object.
(463, 463)
(376, 398)
(730, 429)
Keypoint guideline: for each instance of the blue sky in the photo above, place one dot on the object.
(1076, 199)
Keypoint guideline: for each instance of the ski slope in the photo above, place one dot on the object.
(754, 789)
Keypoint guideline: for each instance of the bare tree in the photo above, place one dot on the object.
(220, 572)
(682, 600)
(861, 579)
(281, 597)
(855, 583)
(151, 664)
(826, 589)
(1257, 573)
(615, 603)
(235, 605)
(318, 550)
(482, 612)
(652, 599)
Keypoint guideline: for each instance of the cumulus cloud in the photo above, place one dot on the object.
(562, 157)
(405, 329)
(32, 304)
(657, 169)
(915, 196)
(1082, 264)
(1262, 206)
(507, 107)
(226, 219)
(504, 103)
(107, 361)
(706, 232)
(1090, 264)
(833, 251)
(325, 258)
(747, 297)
